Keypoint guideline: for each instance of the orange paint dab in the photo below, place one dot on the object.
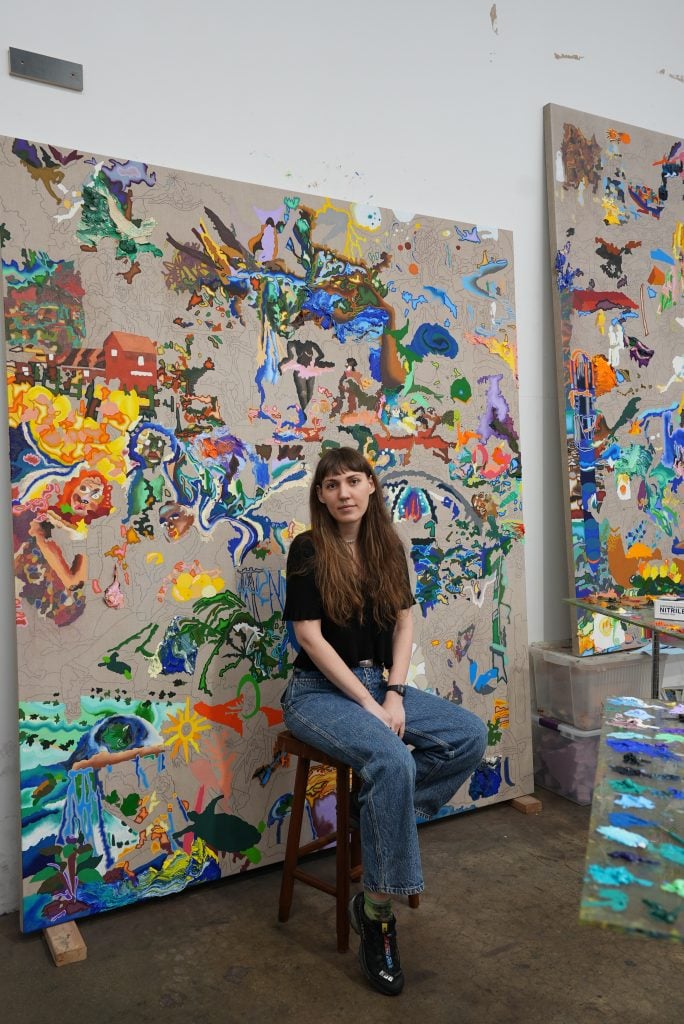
(413, 268)
(639, 550)
(604, 375)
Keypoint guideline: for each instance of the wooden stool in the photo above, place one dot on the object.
(348, 866)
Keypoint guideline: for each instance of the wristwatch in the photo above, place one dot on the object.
(399, 688)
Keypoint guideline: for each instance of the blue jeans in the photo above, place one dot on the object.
(396, 783)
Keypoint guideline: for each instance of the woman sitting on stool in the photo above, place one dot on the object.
(349, 597)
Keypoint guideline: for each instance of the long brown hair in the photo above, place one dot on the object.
(383, 577)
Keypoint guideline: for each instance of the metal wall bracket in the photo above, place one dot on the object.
(51, 70)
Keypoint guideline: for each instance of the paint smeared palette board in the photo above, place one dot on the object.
(179, 351)
(634, 877)
(616, 213)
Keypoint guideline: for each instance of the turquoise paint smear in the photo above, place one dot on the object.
(627, 786)
(669, 737)
(631, 787)
(615, 876)
(612, 899)
(622, 835)
(670, 852)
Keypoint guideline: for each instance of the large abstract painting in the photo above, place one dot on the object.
(180, 350)
(616, 210)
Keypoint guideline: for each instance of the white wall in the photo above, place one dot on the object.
(433, 106)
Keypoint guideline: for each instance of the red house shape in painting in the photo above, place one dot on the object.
(132, 359)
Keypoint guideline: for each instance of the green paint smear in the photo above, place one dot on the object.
(252, 855)
(461, 389)
(677, 887)
(145, 710)
(494, 733)
(655, 909)
(116, 736)
(130, 804)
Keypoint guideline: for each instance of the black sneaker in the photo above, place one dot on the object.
(378, 952)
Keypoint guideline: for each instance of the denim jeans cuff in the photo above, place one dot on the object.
(408, 890)
(424, 815)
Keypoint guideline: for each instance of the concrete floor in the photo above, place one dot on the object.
(496, 939)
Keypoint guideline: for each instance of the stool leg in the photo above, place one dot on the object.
(355, 849)
(293, 838)
(414, 901)
(342, 864)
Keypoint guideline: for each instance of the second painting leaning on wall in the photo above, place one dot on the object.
(616, 211)
(180, 350)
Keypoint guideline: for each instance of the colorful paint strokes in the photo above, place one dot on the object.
(616, 209)
(635, 858)
(180, 350)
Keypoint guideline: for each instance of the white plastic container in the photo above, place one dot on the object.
(574, 690)
(565, 758)
(671, 672)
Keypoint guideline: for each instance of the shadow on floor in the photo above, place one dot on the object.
(496, 939)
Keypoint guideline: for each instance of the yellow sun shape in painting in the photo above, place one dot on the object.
(184, 730)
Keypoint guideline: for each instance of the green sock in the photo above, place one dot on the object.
(377, 910)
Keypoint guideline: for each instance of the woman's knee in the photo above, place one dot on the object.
(395, 759)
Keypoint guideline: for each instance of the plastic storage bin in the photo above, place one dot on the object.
(574, 690)
(565, 758)
(671, 664)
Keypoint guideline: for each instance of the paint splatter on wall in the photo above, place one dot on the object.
(180, 349)
(617, 236)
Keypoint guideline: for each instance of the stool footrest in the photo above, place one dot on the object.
(313, 880)
(317, 844)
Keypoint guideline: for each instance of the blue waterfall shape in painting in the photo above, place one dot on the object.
(582, 400)
(83, 813)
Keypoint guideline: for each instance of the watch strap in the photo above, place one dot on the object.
(399, 688)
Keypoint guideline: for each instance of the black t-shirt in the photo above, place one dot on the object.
(355, 641)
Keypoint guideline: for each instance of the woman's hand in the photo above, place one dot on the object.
(379, 711)
(394, 707)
